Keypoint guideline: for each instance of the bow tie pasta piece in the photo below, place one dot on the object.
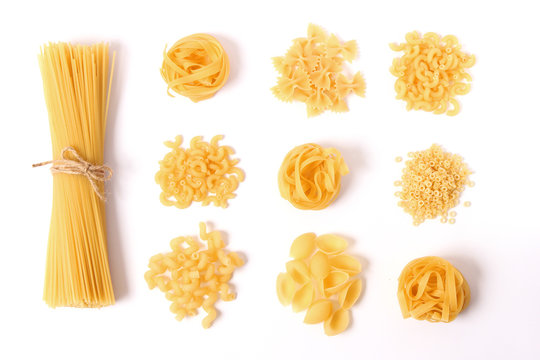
(195, 66)
(192, 276)
(310, 176)
(311, 72)
(431, 72)
(319, 276)
(204, 172)
(430, 288)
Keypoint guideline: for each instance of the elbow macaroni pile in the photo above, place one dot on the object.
(310, 176)
(430, 288)
(431, 184)
(311, 72)
(195, 66)
(432, 71)
(204, 172)
(192, 277)
(314, 281)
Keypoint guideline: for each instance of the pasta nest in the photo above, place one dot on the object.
(203, 172)
(432, 183)
(311, 72)
(430, 288)
(321, 276)
(432, 71)
(196, 66)
(310, 176)
(192, 277)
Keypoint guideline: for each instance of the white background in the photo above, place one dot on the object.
(495, 243)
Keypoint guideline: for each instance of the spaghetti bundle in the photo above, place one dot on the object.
(76, 82)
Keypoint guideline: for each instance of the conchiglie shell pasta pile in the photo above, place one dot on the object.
(321, 280)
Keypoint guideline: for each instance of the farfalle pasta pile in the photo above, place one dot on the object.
(321, 279)
(203, 172)
(430, 288)
(310, 176)
(431, 184)
(311, 72)
(195, 66)
(192, 277)
(431, 72)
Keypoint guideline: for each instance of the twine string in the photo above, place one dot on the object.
(79, 166)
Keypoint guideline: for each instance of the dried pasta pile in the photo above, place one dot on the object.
(432, 71)
(432, 183)
(203, 172)
(192, 277)
(311, 72)
(196, 66)
(310, 176)
(430, 288)
(319, 274)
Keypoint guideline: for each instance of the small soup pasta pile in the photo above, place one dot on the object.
(192, 277)
(321, 279)
(203, 172)
(310, 176)
(431, 289)
(311, 72)
(431, 72)
(431, 184)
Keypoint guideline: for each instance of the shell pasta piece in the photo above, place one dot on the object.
(285, 288)
(430, 288)
(318, 311)
(337, 323)
(303, 246)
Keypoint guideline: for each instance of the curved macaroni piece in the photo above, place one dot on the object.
(350, 293)
(319, 265)
(303, 246)
(345, 263)
(335, 281)
(331, 244)
(285, 288)
(318, 311)
(203, 172)
(431, 72)
(310, 176)
(337, 323)
(188, 275)
(311, 72)
(298, 270)
(195, 66)
(430, 288)
(303, 297)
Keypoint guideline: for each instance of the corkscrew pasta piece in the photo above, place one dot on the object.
(310, 176)
(431, 184)
(196, 66)
(430, 288)
(192, 276)
(314, 282)
(431, 72)
(311, 72)
(204, 172)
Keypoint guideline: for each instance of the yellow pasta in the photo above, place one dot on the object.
(204, 172)
(192, 277)
(195, 66)
(317, 278)
(76, 83)
(310, 176)
(431, 72)
(431, 184)
(311, 72)
(430, 288)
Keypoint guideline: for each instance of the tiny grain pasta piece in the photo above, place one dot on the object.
(431, 72)
(311, 72)
(310, 176)
(431, 184)
(430, 288)
(203, 172)
(196, 66)
(192, 277)
(320, 277)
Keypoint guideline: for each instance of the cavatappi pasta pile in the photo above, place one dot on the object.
(431, 184)
(204, 172)
(321, 279)
(311, 72)
(430, 288)
(431, 72)
(310, 176)
(192, 276)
